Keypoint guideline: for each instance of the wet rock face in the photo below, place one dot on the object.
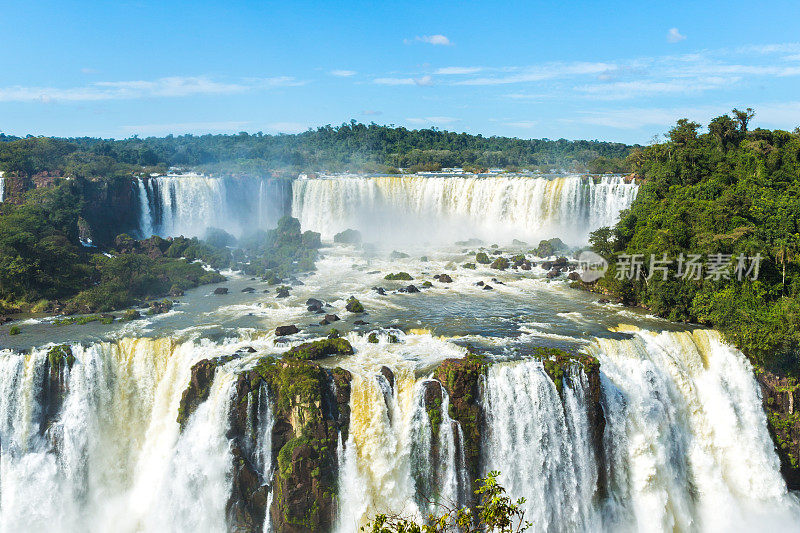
(310, 407)
(461, 378)
(780, 397)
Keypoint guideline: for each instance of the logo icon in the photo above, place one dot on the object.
(591, 266)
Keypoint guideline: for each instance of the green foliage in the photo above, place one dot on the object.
(729, 191)
(495, 512)
(14, 330)
(501, 263)
(550, 247)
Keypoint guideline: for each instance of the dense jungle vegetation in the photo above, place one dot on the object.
(728, 191)
(352, 146)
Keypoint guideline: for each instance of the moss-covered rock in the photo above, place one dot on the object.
(461, 377)
(781, 401)
(400, 276)
(58, 363)
(482, 258)
(309, 351)
(348, 236)
(354, 306)
(501, 263)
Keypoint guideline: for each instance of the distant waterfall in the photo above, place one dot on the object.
(2, 187)
(189, 204)
(419, 209)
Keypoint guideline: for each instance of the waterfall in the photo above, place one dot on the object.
(446, 208)
(2, 187)
(387, 463)
(687, 441)
(540, 446)
(189, 204)
(112, 456)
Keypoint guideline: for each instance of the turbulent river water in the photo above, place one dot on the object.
(685, 445)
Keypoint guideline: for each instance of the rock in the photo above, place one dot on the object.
(372, 338)
(444, 278)
(479, 283)
(348, 236)
(603, 301)
(159, 308)
(248, 349)
(175, 291)
(389, 375)
(331, 318)
(398, 255)
(780, 398)
(488, 287)
(526, 265)
(354, 306)
(221, 290)
(426, 284)
(482, 258)
(282, 292)
(314, 305)
(400, 276)
(517, 242)
(553, 273)
(469, 266)
(360, 323)
(501, 263)
(411, 289)
(248, 289)
(573, 276)
(309, 351)
(131, 314)
(282, 331)
(379, 290)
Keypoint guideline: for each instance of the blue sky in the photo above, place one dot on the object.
(621, 71)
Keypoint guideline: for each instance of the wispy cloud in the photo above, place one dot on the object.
(431, 120)
(185, 127)
(421, 81)
(287, 127)
(436, 40)
(538, 73)
(169, 87)
(343, 73)
(674, 36)
(448, 71)
(630, 89)
(371, 112)
(525, 124)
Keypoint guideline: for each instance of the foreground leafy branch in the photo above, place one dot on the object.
(495, 512)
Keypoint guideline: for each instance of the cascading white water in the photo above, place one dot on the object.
(112, 457)
(188, 204)
(2, 187)
(442, 209)
(386, 465)
(540, 446)
(687, 440)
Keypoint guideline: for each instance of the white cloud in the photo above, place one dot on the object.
(287, 127)
(432, 120)
(539, 73)
(526, 124)
(394, 81)
(343, 73)
(423, 81)
(457, 70)
(436, 40)
(371, 112)
(170, 87)
(674, 36)
(630, 89)
(185, 127)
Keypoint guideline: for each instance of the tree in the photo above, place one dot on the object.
(494, 512)
(743, 118)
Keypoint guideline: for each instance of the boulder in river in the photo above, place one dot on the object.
(221, 290)
(445, 278)
(282, 331)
